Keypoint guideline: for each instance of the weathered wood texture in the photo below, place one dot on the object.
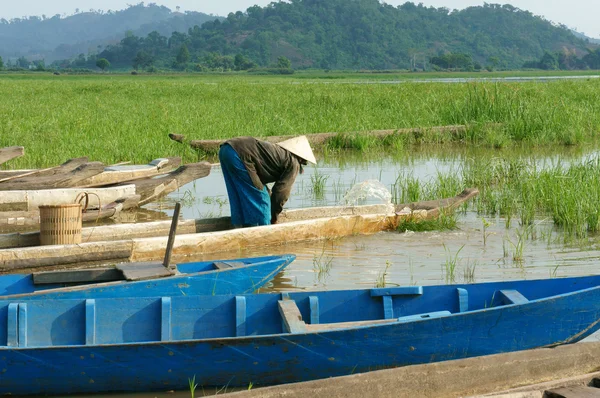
(153, 248)
(31, 200)
(121, 174)
(10, 152)
(93, 275)
(319, 139)
(110, 175)
(144, 270)
(161, 228)
(151, 189)
(64, 168)
(19, 208)
(60, 180)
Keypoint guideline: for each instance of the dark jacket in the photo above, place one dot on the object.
(268, 163)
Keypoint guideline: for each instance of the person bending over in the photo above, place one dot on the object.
(249, 165)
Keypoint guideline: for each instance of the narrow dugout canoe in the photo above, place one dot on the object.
(296, 226)
(235, 276)
(20, 208)
(63, 346)
(110, 174)
(318, 139)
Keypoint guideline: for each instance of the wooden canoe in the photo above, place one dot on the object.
(20, 208)
(72, 178)
(110, 174)
(58, 347)
(319, 139)
(120, 242)
(146, 279)
(10, 152)
(66, 167)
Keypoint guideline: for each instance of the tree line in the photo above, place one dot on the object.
(353, 34)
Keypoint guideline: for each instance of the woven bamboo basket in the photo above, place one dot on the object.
(60, 224)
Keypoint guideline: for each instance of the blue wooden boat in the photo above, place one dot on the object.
(146, 280)
(142, 344)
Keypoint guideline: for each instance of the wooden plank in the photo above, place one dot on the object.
(10, 152)
(90, 321)
(228, 264)
(165, 319)
(290, 314)
(153, 188)
(240, 316)
(319, 139)
(144, 270)
(67, 180)
(344, 325)
(404, 319)
(397, 291)
(573, 392)
(63, 168)
(512, 297)
(420, 317)
(121, 174)
(463, 299)
(93, 275)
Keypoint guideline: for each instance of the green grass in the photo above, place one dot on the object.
(114, 118)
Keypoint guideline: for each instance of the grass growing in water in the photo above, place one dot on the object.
(450, 264)
(105, 117)
(381, 278)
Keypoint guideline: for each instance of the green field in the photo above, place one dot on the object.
(115, 118)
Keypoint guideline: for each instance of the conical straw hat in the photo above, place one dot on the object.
(299, 146)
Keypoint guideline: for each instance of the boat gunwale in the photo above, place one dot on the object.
(285, 258)
(286, 335)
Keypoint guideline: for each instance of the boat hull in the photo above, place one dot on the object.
(155, 363)
(195, 279)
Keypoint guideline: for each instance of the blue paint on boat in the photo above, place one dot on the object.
(196, 278)
(157, 343)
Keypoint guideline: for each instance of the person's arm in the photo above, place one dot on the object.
(281, 191)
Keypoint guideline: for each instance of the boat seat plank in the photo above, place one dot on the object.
(165, 319)
(397, 291)
(463, 299)
(228, 264)
(292, 318)
(293, 323)
(240, 316)
(144, 270)
(512, 297)
(78, 276)
(428, 315)
(573, 392)
(90, 321)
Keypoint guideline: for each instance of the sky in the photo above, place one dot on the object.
(580, 15)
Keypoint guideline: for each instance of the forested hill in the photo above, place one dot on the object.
(59, 37)
(357, 34)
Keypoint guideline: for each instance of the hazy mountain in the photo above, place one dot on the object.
(58, 38)
(584, 37)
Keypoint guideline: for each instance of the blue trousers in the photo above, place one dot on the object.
(249, 205)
